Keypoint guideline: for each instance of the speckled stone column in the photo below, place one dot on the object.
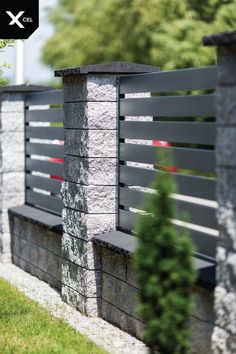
(224, 335)
(89, 190)
(12, 158)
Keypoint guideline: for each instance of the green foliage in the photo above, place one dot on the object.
(26, 328)
(167, 33)
(4, 44)
(165, 272)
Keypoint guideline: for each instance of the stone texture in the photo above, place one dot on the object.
(37, 250)
(12, 102)
(12, 142)
(225, 307)
(226, 270)
(226, 217)
(88, 306)
(201, 336)
(226, 104)
(89, 199)
(114, 264)
(131, 276)
(226, 187)
(223, 339)
(12, 122)
(90, 115)
(226, 146)
(226, 65)
(85, 282)
(75, 88)
(203, 305)
(102, 87)
(223, 342)
(86, 226)
(90, 143)
(119, 318)
(12, 161)
(80, 252)
(9, 184)
(120, 294)
(90, 171)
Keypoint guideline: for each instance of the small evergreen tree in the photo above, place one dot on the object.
(165, 272)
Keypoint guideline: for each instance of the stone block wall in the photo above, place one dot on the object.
(89, 191)
(11, 163)
(120, 293)
(224, 335)
(36, 249)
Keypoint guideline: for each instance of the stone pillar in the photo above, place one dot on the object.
(224, 335)
(89, 190)
(12, 158)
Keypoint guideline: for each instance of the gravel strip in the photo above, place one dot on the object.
(109, 337)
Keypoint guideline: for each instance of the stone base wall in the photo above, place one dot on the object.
(120, 299)
(36, 250)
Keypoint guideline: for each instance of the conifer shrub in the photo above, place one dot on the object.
(165, 272)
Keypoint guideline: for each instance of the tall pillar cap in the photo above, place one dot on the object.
(116, 68)
(220, 39)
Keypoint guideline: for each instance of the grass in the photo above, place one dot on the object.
(27, 328)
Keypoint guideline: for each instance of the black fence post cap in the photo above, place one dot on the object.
(220, 39)
(117, 67)
(24, 88)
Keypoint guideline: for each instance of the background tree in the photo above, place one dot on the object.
(4, 44)
(164, 266)
(167, 33)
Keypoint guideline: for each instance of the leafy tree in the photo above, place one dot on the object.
(4, 44)
(163, 261)
(167, 33)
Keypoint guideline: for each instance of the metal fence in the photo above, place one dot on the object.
(181, 105)
(44, 150)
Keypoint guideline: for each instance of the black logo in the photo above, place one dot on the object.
(18, 20)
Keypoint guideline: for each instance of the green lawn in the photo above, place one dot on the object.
(26, 328)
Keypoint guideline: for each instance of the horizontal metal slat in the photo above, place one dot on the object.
(198, 214)
(44, 98)
(169, 106)
(47, 167)
(200, 187)
(51, 150)
(164, 81)
(47, 184)
(205, 243)
(45, 133)
(48, 202)
(45, 115)
(181, 132)
(192, 159)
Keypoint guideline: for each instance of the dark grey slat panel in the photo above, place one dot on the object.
(44, 98)
(169, 106)
(47, 167)
(127, 220)
(45, 201)
(181, 132)
(192, 159)
(198, 214)
(45, 133)
(47, 115)
(51, 150)
(164, 81)
(205, 243)
(200, 187)
(48, 184)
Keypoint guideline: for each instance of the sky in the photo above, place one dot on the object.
(35, 72)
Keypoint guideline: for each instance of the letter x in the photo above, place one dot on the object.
(15, 19)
